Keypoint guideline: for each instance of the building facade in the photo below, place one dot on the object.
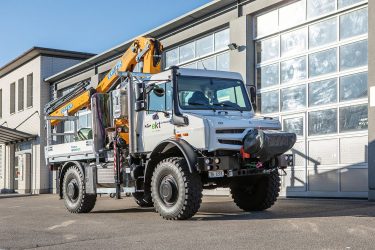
(23, 94)
(309, 62)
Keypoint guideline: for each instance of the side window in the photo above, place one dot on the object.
(156, 103)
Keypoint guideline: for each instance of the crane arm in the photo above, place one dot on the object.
(146, 51)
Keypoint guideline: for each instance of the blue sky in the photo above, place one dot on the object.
(81, 25)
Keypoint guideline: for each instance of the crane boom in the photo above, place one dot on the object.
(146, 51)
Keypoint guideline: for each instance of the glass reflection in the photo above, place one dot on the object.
(221, 39)
(323, 62)
(322, 33)
(353, 118)
(353, 55)
(323, 122)
(269, 102)
(204, 45)
(208, 64)
(267, 23)
(293, 98)
(354, 23)
(344, 3)
(171, 57)
(267, 49)
(268, 75)
(323, 92)
(319, 7)
(294, 125)
(292, 14)
(293, 70)
(293, 42)
(222, 62)
(353, 86)
(187, 52)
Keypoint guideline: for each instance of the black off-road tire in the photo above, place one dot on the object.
(256, 195)
(186, 197)
(80, 202)
(143, 200)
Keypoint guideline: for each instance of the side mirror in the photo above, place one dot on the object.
(253, 96)
(159, 92)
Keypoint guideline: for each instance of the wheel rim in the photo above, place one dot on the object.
(72, 190)
(168, 190)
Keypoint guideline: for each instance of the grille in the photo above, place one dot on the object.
(229, 131)
(232, 142)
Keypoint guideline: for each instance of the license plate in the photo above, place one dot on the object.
(216, 174)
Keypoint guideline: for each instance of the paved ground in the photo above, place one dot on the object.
(42, 221)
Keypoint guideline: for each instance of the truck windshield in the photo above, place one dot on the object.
(212, 93)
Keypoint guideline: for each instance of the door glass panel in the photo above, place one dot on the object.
(293, 70)
(293, 98)
(322, 62)
(323, 92)
(323, 33)
(292, 14)
(267, 23)
(155, 102)
(353, 118)
(354, 23)
(294, 125)
(353, 86)
(353, 55)
(269, 102)
(293, 42)
(267, 49)
(268, 75)
(319, 7)
(323, 122)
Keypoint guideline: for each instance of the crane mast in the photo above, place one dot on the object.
(144, 51)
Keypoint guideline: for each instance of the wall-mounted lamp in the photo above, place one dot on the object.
(232, 46)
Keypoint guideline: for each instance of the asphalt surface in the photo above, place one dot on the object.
(42, 222)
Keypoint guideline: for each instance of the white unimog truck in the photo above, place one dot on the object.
(186, 130)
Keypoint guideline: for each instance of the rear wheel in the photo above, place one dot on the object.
(75, 198)
(256, 195)
(176, 193)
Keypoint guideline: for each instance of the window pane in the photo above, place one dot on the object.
(293, 42)
(267, 23)
(353, 118)
(269, 102)
(20, 94)
(344, 3)
(319, 7)
(294, 125)
(323, 122)
(82, 121)
(187, 52)
(267, 49)
(353, 55)
(268, 75)
(293, 98)
(204, 45)
(293, 70)
(292, 14)
(171, 57)
(354, 23)
(221, 39)
(29, 101)
(353, 87)
(156, 102)
(322, 33)
(322, 62)
(322, 92)
(208, 63)
(12, 99)
(222, 62)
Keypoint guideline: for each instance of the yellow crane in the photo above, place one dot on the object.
(146, 51)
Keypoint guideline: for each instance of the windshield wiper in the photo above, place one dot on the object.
(223, 104)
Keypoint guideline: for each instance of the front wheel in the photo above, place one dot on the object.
(176, 193)
(259, 194)
(75, 197)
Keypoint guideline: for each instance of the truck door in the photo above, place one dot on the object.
(157, 124)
